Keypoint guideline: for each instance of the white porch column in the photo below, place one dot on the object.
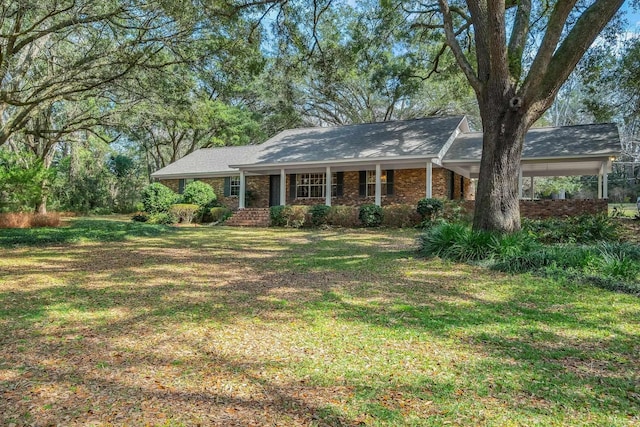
(242, 190)
(520, 183)
(533, 189)
(429, 183)
(600, 185)
(327, 189)
(378, 185)
(283, 187)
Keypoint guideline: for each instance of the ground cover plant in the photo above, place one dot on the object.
(584, 249)
(224, 326)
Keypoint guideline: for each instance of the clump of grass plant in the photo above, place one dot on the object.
(611, 265)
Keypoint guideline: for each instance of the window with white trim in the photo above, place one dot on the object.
(313, 185)
(234, 186)
(371, 183)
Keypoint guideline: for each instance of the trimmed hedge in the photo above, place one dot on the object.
(219, 213)
(370, 215)
(319, 214)
(400, 216)
(343, 216)
(292, 216)
(184, 212)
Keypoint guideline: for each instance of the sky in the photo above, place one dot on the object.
(632, 16)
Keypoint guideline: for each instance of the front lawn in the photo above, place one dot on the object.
(225, 326)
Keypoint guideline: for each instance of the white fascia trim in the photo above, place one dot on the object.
(371, 160)
(452, 138)
(541, 159)
(196, 175)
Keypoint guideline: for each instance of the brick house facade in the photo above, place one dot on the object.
(388, 163)
(408, 188)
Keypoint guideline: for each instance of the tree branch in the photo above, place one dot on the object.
(464, 64)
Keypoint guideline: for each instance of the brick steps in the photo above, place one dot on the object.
(250, 217)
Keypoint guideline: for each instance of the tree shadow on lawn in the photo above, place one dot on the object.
(546, 351)
(94, 382)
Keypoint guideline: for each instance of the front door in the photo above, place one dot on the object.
(274, 190)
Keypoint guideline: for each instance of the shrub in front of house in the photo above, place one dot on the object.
(370, 215)
(318, 214)
(297, 216)
(456, 211)
(158, 198)
(277, 216)
(343, 216)
(429, 208)
(184, 212)
(198, 193)
(219, 214)
(162, 218)
(400, 216)
(292, 216)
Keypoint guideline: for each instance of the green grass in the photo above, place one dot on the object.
(102, 229)
(295, 327)
(627, 210)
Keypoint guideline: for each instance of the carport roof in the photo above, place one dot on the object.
(547, 151)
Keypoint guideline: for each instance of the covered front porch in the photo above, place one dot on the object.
(378, 181)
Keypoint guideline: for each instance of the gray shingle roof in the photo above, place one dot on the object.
(549, 142)
(208, 161)
(419, 137)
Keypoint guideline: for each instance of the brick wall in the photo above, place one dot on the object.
(258, 185)
(409, 187)
(547, 208)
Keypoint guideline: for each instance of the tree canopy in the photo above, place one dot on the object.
(153, 81)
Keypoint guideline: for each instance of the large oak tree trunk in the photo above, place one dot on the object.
(497, 199)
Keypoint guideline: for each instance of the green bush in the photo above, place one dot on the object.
(158, 198)
(429, 208)
(198, 193)
(184, 212)
(296, 216)
(579, 229)
(399, 216)
(289, 216)
(343, 216)
(318, 214)
(219, 213)
(162, 218)
(370, 215)
(140, 217)
(456, 211)
(277, 216)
